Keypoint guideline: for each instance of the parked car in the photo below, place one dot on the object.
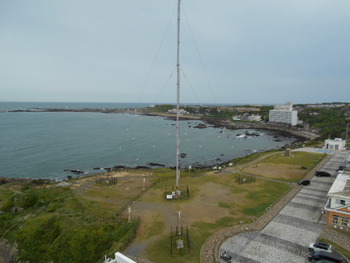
(322, 174)
(304, 182)
(226, 256)
(341, 169)
(320, 246)
(321, 261)
(323, 255)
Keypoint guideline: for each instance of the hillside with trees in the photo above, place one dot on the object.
(328, 120)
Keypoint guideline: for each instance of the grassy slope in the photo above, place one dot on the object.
(286, 168)
(55, 224)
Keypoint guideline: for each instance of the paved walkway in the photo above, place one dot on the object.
(287, 236)
(284, 232)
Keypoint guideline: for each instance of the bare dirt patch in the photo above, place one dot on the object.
(204, 207)
(276, 171)
(128, 187)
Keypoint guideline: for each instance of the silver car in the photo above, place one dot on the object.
(320, 246)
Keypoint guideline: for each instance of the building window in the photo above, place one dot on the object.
(341, 221)
(346, 222)
(335, 220)
(340, 202)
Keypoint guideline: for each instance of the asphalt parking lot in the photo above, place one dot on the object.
(287, 236)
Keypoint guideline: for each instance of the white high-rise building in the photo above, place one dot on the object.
(284, 114)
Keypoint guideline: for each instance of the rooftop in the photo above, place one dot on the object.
(341, 185)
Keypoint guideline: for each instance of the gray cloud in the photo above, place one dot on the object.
(249, 51)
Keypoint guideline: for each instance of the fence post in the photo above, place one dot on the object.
(171, 240)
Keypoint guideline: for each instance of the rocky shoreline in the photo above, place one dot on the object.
(277, 131)
(281, 130)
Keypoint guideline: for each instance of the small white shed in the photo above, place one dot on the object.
(119, 258)
(334, 144)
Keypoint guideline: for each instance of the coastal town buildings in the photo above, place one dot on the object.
(245, 109)
(327, 105)
(181, 111)
(247, 117)
(254, 117)
(284, 114)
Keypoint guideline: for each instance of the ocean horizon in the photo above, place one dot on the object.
(45, 144)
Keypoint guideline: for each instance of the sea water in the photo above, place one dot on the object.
(44, 144)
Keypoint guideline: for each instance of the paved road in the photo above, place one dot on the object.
(287, 236)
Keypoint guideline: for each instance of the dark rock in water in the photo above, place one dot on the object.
(142, 167)
(99, 168)
(69, 177)
(156, 164)
(114, 168)
(4, 180)
(200, 126)
(252, 134)
(117, 167)
(120, 167)
(76, 171)
(183, 155)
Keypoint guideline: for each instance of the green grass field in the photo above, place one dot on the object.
(84, 222)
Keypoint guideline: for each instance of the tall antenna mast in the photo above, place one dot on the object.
(178, 98)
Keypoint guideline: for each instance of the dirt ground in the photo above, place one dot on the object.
(280, 171)
(204, 207)
(167, 214)
(129, 186)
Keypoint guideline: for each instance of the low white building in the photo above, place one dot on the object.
(334, 144)
(119, 258)
(284, 114)
(246, 117)
(254, 117)
(181, 111)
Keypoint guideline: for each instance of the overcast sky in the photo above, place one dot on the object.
(232, 51)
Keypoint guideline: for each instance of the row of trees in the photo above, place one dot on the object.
(327, 122)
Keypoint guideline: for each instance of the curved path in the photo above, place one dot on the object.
(167, 211)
